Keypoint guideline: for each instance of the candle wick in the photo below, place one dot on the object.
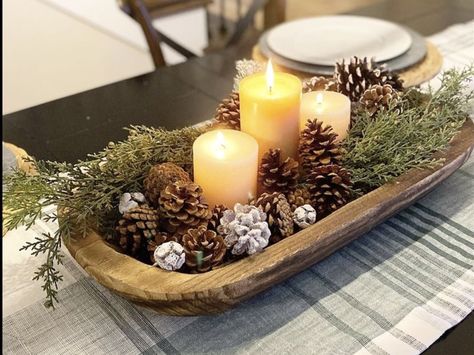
(270, 89)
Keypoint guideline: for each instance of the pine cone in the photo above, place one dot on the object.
(275, 175)
(304, 216)
(329, 186)
(228, 112)
(135, 228)
(160, 238)
(299, 197)
(217, 213)
(169, 256)
(355, 78)
(318, 146)
(183, 207)
(319, 83)
(159, 177)
(130, 200)
(378, 97)
(204, 249)
(279, 215)
(245, 229)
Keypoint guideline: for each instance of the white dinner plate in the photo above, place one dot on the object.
(327, 39)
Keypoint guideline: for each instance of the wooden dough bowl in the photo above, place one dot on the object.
(177, 293)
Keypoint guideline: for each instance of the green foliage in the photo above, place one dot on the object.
(87, 192)
(383, 147)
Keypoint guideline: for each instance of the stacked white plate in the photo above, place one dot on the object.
(315, 44)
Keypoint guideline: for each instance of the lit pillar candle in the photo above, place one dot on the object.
(330, 107)
(225, 166)
(269, 110)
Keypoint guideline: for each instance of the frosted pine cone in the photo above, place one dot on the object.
(244, 68)
(319, 83)
(245, 229)
(304, 216)
(129, 201)
(170, 256)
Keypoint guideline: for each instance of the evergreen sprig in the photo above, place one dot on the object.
(87, 192)
(383, 147)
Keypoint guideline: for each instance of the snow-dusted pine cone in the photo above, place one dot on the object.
(131, 200)
(170, 256)
(245, 229)
(319, 83)
(304, 216)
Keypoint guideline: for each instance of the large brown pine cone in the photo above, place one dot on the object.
(159, 177)
(354, 78)
(275, 175)
(204, 249)
(183, 207)
(136, 228)
(378, 97)
(217, 213)
(228, 112)
(319, 83)
(299, 197)
(329, 186)
(279, 215)
(318, 146)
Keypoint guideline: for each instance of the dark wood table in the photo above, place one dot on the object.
(68, 129)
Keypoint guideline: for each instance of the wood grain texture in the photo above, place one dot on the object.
(220, 289)
(417, 74)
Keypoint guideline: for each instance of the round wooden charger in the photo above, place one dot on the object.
(417, 74)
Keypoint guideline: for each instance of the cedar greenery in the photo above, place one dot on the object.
(87, 192)
(387, 145)
(379, 149)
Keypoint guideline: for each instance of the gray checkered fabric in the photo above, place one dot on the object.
(393, 291)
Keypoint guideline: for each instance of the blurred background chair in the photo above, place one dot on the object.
(227, 21)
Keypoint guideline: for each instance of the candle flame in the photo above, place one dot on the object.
(220, 145)
(319, 98)
(270, 75)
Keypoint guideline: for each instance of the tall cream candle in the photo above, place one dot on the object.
(225, 166)
(269, 110)
(330, 107)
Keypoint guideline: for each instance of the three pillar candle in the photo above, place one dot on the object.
(272, 113)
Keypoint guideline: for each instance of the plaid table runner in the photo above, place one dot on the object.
(393, 291)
